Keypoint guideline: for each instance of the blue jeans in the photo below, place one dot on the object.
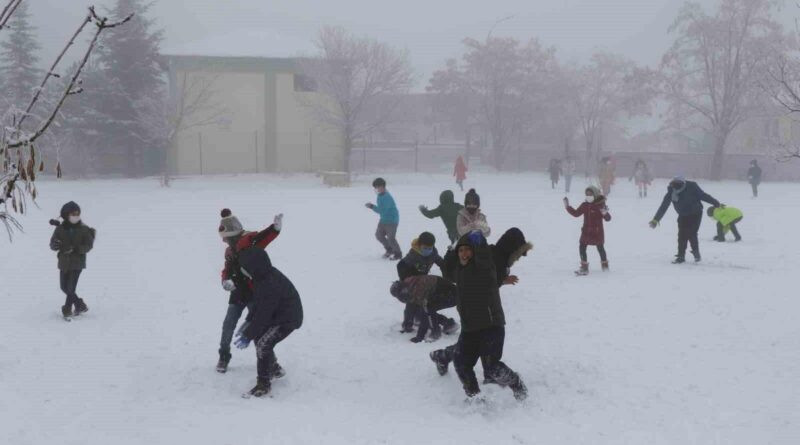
(232, 317)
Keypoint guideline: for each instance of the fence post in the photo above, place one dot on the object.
(200, 146)
(311, 150)
(364, 155)
(416, 155)
(256, 149)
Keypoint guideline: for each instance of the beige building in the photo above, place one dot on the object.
(257, 117)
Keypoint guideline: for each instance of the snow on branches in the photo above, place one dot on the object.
(20, 163)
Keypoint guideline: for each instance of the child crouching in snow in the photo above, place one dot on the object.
(594, 211)
(72, 239)
(430, 294)
(727, 217)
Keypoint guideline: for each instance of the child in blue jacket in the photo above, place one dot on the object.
(389, 220)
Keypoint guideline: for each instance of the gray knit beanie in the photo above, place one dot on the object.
(229, 226)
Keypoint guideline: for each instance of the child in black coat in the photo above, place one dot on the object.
(428, 294)
(72, 239)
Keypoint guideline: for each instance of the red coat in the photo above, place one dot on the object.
(592, 233)
(460, 170)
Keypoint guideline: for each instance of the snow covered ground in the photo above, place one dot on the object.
(650, 353)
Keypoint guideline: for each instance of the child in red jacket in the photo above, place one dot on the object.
(233, 280)
(594, 212)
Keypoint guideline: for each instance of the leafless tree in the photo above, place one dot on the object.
(783, 85)
(713, 68)
(361, 81)
(502, 82)
(192, 105)
(603, 90)
(21, 162)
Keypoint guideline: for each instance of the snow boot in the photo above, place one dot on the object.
(604, 265)
(262, 388)
(697, 257)
(519, 389)
(396, 257)
(387, 255)
(737, 239)
(450, 327)
(80, 307)
(679, 259)
(584, 270)
(277, 371)
(471, 388)
(66, 311)
(442, 364)
(719, 239)
(222, 364)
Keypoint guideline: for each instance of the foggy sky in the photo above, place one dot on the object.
(431, 30)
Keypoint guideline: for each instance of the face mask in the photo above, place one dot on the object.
(426, 251)
(74, 219)
(472, 210)
(590, 199)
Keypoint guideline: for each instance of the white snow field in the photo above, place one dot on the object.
(650, 353)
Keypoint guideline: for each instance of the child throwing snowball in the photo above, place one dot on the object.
(594, 211)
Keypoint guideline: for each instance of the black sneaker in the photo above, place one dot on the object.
(66, 311)
(697, 257)
(80, 307)
(679, 260)
(442, 364)
(262, 388)
(222, 364)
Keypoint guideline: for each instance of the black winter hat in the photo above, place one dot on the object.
(379, 182)
(427, 239)
(472, 198)
(69, 208)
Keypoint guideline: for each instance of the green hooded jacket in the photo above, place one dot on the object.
(448, 210)
(726, 216)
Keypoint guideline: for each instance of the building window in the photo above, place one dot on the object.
(304, 84)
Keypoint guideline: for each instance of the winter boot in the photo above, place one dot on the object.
(471, 387)
(80, 307)
(519, 389)
(442, 363)
(584, 270)
(679, 259)
(604, 265)
(697, 257)
(277, 371)
(262, 388)
(396, 257)
(222, 364)
(737, 239)
(719, 239)
(450, 327)
(387, 255)
(66, 311)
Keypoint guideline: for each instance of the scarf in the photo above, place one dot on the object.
(676, 193)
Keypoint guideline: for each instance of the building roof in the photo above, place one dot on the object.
(257, 43)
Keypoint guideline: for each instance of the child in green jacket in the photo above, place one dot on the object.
(727, 218)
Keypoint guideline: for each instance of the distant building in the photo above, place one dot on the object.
(264, 124)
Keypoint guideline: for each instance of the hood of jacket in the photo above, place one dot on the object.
(513, 245)
(69, 208)
(447, 198)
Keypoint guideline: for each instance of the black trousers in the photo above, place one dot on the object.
(734, 230)
(486, 345)
(69, 283)
(754, 185)
(265, 349)
(688, 226)
(600, 249)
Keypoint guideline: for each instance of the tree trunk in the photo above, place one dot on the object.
(348, 152)
(720, 139)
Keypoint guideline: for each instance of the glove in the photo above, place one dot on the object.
(423, 208)
(228, 285)
(369, 205)
(476, 238)
(241, 342)
(654, 224)
(604, 211)
(278, 222)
